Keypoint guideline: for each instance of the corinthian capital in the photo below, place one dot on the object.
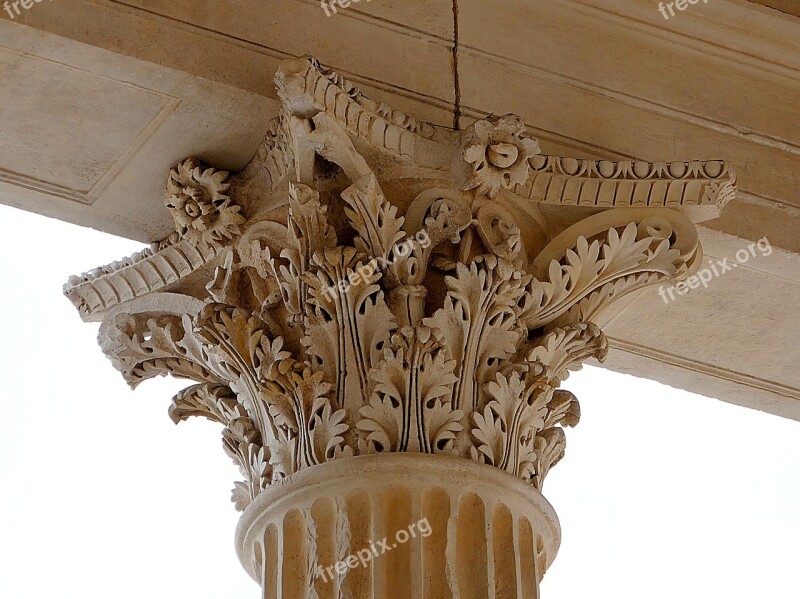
(374, 285)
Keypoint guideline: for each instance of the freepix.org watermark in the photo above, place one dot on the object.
(26, 5)
(363, 557)
(330, 5)
(364, 272)
(679, 4)
(714, 269)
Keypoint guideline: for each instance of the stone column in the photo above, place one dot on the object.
(400, 525)
(380, 313)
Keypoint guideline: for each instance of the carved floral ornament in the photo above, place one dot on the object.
(202, 211)
(459, 347)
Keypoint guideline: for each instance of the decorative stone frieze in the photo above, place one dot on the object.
(371, 285)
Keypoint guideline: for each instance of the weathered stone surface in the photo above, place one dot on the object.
(372, 285)
(598, 79)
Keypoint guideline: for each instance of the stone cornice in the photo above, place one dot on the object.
(396, 144)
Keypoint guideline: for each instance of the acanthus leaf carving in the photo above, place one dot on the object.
(308, 234)
(376, 223)
(145, 346)
(479, 322)
(308, 431)
(506, 429)
(313, 339)
(347, 323)
(563, 349)
(215, 402)
(590, 274)
(549, 447)
(236, 345)
(410, 405)
(242, 443)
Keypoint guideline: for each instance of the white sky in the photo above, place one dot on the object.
(662, 494)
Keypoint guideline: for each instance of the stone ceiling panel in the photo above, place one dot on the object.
(659, 73)
(87, 132)
(240, 43)
(788, 6)
(740, 331)
(48, 143)
(372, 48)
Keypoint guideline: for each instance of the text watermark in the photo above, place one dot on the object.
(330, 5)
(679, 4)
(26, 5)
(364, 272)
(364, 556)
(714, 269)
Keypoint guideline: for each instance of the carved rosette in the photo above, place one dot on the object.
(382, 286)
(498, 151)
(203, 213)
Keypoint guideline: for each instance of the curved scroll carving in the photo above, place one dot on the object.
(470, 379)
(323, 328)
(594, 262)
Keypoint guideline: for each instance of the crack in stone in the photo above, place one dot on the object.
(456, 81)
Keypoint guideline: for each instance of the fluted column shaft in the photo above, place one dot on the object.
(404, 526)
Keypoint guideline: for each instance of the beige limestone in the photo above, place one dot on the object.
(601, 79)
(787, 6)
(736, 339)
(472, 528)
(428, 294)
(616, 63)
(85, 132)
(100, 98)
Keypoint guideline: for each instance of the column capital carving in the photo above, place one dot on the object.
(373, 284)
